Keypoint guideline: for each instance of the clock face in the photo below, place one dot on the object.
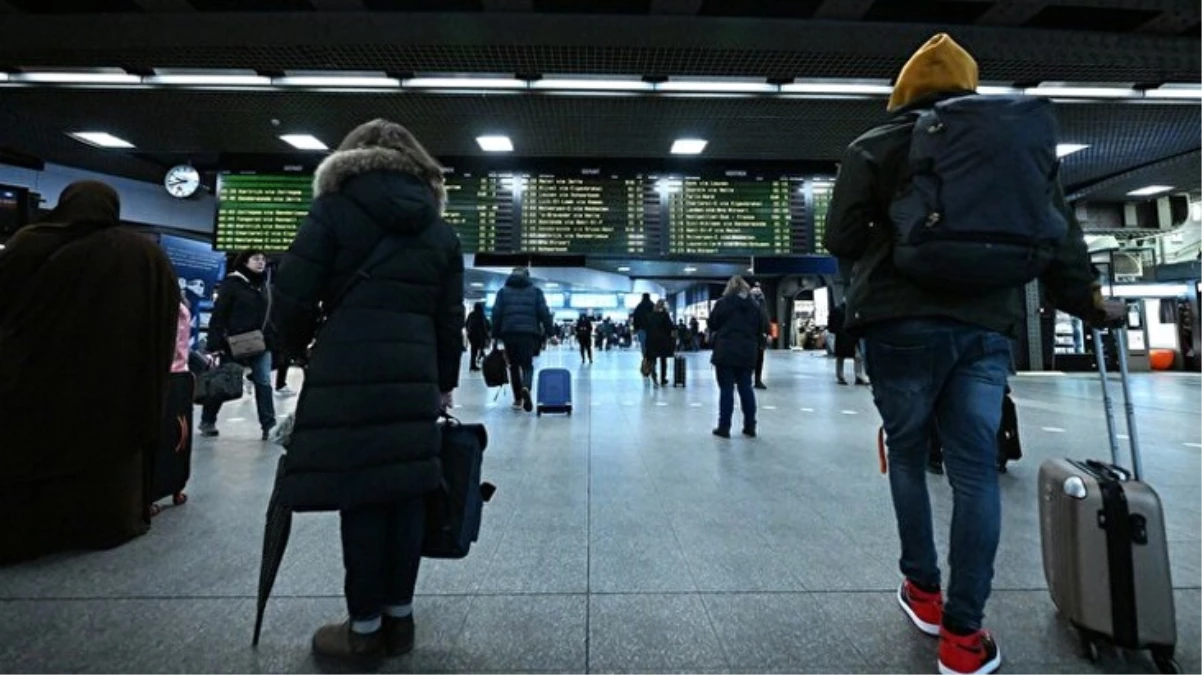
(182, 181)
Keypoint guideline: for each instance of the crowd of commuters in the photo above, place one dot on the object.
(371, 292)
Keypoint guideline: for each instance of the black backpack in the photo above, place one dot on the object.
(496, 369)
(454, 512)
(976, 211)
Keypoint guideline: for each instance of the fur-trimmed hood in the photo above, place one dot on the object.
(343, 165)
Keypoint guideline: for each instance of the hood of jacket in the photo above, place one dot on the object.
(385, 183)
(939, 66)
(516, 280)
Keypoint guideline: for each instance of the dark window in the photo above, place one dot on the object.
(926, 11)
(782, 9)
(593, 6)
(1108, 19)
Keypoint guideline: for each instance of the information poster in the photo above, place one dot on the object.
(199, 269)
(730, 216)
(583, 215)
(261, 211)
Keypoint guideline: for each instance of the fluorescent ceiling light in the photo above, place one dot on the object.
(551, 284)
(495, 143)
(690, 270)
(723, 86)
(3, 77)
(477, 284)
(304, 142)
(623, 268)
(63, 77)
(100, 139)
(995, 90)
(366, 81)
(688, 146)
(209, 79)
(591, 84)
(837, 88)
(464, 83)
(1175, 91)
(1066, 149)
(1150, 190)
(1064, 91)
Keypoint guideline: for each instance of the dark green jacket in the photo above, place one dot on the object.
(860, 234)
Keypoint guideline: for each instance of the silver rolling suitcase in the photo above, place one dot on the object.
(1104, 551)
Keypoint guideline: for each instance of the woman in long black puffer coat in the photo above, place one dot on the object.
(661, 341)
(383, 366)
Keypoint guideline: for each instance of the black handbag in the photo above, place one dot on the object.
(454, 512)
(221, 384)
(496, 369)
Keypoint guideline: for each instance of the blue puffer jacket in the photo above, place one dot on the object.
(521, 309)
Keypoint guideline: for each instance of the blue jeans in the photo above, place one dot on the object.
(642, 335)
(260, 375)
(728, 379)
(938, 373)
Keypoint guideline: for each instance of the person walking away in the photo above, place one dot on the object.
(479, 330)
(642, 314)
(661, 341)
(521, 317)
(938, 328)
(382, 370)
(846, 346)
(243, 302)
(81, 409)
(584, 336)
(695, 333)
(757, 295)
(736, 323)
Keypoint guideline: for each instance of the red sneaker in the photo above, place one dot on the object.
(924, 609)
(968, 654)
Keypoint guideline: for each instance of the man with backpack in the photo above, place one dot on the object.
(943, 214)
(521, 318)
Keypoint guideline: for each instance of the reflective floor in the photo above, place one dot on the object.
(622, 538)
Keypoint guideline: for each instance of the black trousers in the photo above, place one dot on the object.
(283, 362)
(586, 348)
(519, 349)
(381, 550)
(477, 353)
(759, 366)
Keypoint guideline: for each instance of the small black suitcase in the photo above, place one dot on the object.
(171, 465)
(454, 512)
(680, 371)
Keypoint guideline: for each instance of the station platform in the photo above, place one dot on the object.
(624, 538)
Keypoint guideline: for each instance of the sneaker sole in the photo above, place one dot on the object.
(927, 628)
(990, 666)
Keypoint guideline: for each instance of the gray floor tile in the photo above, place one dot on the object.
(651, 634)
(539, 561)
(779, 631)
(527, 632)
(637, 561)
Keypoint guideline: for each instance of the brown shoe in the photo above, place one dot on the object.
(338, 641)
(398, 635)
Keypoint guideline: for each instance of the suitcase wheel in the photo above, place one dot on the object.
(155, 510)
(179, 498)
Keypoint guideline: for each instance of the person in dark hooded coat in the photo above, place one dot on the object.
(479, 331)
(87, 334)
(383, 366)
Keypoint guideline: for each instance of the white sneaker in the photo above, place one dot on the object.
(286, 391)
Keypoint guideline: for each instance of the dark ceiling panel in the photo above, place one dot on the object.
(252, 5)
(781, 9)
(950, 12)
(1107, 19)
(1183, 172)
(593, 6)
(423, 5)
(75, 6)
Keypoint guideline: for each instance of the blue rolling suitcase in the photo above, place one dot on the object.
(554, 391)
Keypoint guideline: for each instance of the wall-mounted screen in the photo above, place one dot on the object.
(261, 211)
(584, 214)
(738, 215)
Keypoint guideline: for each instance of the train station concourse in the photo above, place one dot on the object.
(600, 336)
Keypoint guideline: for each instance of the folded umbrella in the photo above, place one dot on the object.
(275, 541)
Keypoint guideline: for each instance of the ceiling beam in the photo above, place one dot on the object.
(843, 10)
(338, 5)
(166, 5)
(1173, 22)
(508, 5)
(676, 6)
(1014, 13)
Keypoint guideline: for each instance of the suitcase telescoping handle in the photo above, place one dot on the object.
(1120, 337)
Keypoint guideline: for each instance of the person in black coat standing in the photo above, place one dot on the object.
(243, 301)
(366, 438)
(479, 331)
(736, 324)
(661, 341)
(846, 346)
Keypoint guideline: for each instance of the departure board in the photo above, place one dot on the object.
(586, 214)
(261, 211)
(479, 208)
(731, 216)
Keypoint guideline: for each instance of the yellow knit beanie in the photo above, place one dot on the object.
(938, 66)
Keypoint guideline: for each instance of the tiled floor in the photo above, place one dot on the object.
(622, 538)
